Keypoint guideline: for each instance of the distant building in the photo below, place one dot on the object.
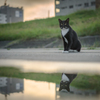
(10, 14)
(11, 85)
(3, 18)
(65, 7)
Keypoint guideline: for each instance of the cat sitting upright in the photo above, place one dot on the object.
(69, 36)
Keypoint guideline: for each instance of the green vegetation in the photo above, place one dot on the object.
(83, 22)
(82, 81)
(14, 72)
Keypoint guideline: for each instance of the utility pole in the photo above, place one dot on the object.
(48, 13)
(5, 2)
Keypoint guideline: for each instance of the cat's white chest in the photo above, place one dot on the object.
(64, 77)
(64, 31)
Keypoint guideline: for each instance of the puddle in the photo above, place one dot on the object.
(52, 67)
(24, 89)
(47, 61)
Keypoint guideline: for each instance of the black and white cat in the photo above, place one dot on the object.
(66, 80)
(69, 36)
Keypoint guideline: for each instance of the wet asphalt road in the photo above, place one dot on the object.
(52, 54)
(30, 55)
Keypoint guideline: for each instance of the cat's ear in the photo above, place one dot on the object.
(59, 20)
(68, 89)
(67, 20)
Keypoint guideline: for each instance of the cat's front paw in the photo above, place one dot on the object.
(65, 51)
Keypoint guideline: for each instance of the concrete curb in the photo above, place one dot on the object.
(86, 41)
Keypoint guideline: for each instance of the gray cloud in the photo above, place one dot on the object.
(32, 8)
(25, 2)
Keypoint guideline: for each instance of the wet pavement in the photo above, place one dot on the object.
(47, 61)
(50, 54)
(51, 66)
(51, 60)
(24, 89)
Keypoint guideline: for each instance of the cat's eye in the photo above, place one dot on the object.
(61, 24)
(65, 24)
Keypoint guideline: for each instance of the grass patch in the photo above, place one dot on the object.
(87, 82)
(14, 72)
(82, 81)
(83, 22)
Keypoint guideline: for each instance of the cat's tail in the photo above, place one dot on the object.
(79, 47)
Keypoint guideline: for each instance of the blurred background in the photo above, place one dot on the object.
(41, 20)
(33, 9)
(37, 9)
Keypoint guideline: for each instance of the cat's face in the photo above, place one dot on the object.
(64, 24)
(64, 85)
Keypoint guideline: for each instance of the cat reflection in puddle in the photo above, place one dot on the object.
(66, 79)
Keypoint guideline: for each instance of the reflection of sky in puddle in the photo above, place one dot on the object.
(52, 67)
(23, 89)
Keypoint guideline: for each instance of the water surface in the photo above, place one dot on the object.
(24, 89)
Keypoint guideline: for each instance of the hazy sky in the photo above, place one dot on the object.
(33, 9)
